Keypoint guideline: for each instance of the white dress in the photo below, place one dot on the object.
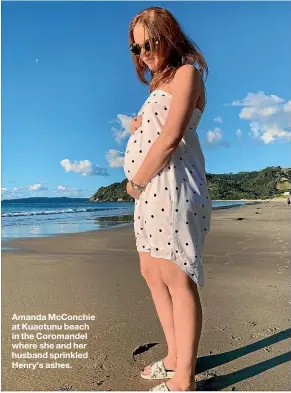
(173, 213)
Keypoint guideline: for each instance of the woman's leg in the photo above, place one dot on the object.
(187, 323)
(163, 303)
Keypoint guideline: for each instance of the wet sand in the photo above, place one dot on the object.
(246, 338)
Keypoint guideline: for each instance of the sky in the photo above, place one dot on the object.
(69, 90)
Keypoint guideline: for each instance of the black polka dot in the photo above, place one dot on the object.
(158, 133)
(169, 244)
(132, 160)
(152, 216)
(165, 108)
(157, 249)
(127, 151)
(134, 141)
(205, 229)
(156, 113)
(146, 201)
(145, 222)
(141, 131)
(148, 121)
(177, 188)
(187, 222)
(143, 246)
(175, 166)
(141, 229)
(176, 230)
(166, 188)
(185, 263)
(155, 195)
(149, 141)
(150, 235)
(184, 179)
(176, 210)
(138, 216)
(180, 158)
(169, 167)
(140, 151)
(187, 244)
(128, 171)
(195, 214)
(177, 251)
(190, 171)
(203, 216)
(163, 209)
(160, 230)
(187, 200)
(202, 205)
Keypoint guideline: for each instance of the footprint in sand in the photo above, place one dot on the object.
(250, 324)
(219, 327)
(268, 348)
(234, 340)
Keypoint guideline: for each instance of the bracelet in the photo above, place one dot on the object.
(136, 186)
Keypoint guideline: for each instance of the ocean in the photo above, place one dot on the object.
(51, 216)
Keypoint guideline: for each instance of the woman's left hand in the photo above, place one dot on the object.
(134, 193)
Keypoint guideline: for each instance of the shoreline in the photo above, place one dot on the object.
(6, 242)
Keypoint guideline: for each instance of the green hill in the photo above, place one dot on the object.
(268, 183)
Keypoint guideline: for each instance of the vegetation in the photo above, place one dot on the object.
(268, 183)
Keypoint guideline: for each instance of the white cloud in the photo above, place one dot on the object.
(4, 189)
(85, 167)
(122, 131)
(258, 99)
(115, 158)
(37, 187)
(239, 134)
(287, 106)
(215, 138)
(62, 189)
(269, 116)
(218, 119)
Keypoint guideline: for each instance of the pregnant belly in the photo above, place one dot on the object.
(134, 156)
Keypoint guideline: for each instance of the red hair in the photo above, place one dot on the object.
(176, 48)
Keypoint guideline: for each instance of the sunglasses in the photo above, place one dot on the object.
(136, 48)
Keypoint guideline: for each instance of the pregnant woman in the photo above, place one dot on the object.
(166, 171)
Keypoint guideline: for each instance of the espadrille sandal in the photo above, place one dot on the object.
(158, 371)
(162, 387)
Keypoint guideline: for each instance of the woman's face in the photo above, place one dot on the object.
(151, 59)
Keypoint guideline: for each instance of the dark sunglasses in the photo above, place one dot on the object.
(136, 48)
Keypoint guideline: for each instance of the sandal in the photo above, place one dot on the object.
(158, 371)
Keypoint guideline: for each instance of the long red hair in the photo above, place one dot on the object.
(176, 49)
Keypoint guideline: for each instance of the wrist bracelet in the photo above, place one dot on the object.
(136, 186)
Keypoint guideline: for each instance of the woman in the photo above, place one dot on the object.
(166, 171)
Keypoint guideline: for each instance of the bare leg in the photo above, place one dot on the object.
(187, 323)
(150, 270)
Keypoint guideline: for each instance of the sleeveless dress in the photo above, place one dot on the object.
(172, 215)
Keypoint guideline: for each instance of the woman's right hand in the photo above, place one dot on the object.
(135, 123)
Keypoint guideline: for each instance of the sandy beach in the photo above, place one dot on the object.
(246, 338)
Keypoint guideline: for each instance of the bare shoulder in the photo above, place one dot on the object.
(187, 73)
(188, 82)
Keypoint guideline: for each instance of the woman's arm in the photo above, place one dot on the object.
(185, 93)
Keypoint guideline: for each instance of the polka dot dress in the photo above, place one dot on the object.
(172, 215)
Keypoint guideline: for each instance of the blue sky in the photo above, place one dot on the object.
(69, 89)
